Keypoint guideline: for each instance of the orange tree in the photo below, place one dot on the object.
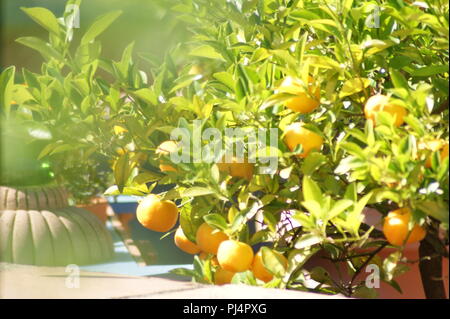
(358, 93)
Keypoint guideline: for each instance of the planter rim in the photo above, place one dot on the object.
(33, 197)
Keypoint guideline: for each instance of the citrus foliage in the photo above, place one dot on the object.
(232, 73)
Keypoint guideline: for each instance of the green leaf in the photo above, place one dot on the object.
(312, 162)
(64, 148)
(307, 240)
(46, 150)
(311, 191)
(285, 57)
(6, 86)
(353, 86)
(197, 191)
(122, 170)
(276, 99)
(306, 221)
(147, 95)
(353, 149)
(147, 177)
(44, 17)
(273, 262)
(436, 209)
(184, 81)
(339, 207)
(398, 79)
(260, 54)
(259, 237)
(127, 190)
(206, 51)
(381, 194)
(226, 79)
(355, 217)
(390, 264)
(430, 70)
(44, 48)
(183, 272)
(99, 26)
(216, 221)
(395, 285)
(350, 192)
(245, 277)
(374, 46)
(322, 62)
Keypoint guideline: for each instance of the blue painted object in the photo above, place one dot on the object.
(124, 264)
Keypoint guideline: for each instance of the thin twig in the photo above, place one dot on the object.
(376, 251)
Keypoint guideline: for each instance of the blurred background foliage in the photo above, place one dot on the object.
(153, 28)
(148, 24)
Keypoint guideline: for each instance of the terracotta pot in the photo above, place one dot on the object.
(125, 219)
(98, 206)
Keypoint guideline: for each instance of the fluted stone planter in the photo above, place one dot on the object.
(38, 227)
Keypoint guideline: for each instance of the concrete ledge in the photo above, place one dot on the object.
(32, 282)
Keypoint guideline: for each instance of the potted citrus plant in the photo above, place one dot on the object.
(65, 101)
(38, 226)
(360, 105)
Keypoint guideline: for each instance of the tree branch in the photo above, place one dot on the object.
(431, 270)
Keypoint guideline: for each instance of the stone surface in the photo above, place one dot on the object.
(29, 282)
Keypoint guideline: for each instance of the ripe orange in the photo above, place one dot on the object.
(303, 102)
(296, 134)
(222, 276)
(444, 152)
(237, 168)
(395, 228)
(235, 256)
(209, 239)
(182, 242)
(378, 103)
(260, 271)
(165, 148)
(157, 215)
